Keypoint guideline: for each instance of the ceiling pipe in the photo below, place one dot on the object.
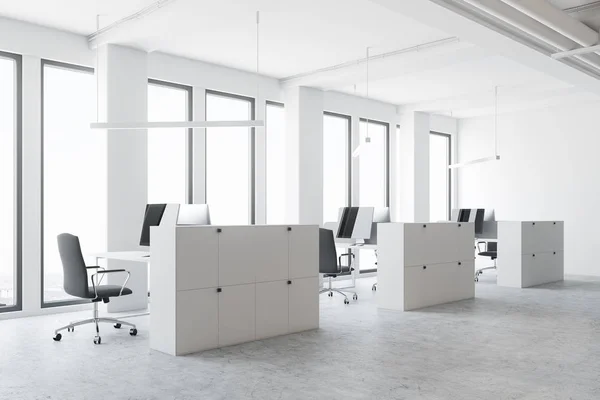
(556, 19)
(525, 23)
(584, 7)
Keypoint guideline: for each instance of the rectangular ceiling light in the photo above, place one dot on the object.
(477, 161)
(176, 124)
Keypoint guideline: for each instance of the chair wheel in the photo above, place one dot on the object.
(330, 294)
(355, 297)
(133, 332)
(71, 329)
(57, 337)
(117, 326)
(97, 340)
(346, 301)
(374, 288)
(476, 279)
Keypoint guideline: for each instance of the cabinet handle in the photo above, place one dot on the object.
(424, 266)
(424, 226)
(554, 223)
(289, 228)
(554, 253)
(533, 223)
(219, 230)
(534, 255)
(289, 282)
(219, 290)
(459, 225)
(459, 263)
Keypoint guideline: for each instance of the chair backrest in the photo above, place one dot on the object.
(492, 246)
(74, 271)
(327, 254)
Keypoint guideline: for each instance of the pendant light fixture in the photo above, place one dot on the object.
(358, 149)
(496, 156)
(180, 124)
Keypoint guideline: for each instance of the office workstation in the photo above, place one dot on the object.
(208, 200)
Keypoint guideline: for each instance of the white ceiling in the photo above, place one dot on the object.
(299, 37)
(78, 16)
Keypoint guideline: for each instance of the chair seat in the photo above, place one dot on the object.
(105, 291)
(492, 254)
(344, 271)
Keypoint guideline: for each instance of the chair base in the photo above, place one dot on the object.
(374, 287)
(330, 290)
(480, 271)
(95, 320)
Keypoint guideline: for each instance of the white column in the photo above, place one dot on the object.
(32, 179)
(413, 147)
(304, 148)
(123, 96)
(199, 147)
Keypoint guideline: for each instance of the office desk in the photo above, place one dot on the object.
(137, 256)
(356, 246)
(138, 300)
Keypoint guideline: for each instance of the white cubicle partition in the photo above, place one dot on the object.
(215, 286)
(530, 253)
(424, 264)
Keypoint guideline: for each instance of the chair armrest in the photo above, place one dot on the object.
(108, 271)
(96, 267)
(350, 256)
(479, 248)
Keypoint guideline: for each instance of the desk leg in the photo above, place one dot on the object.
(137, 302)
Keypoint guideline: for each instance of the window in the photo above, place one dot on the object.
(373, 165)
(229, 160)
(169, 179)
(276, 155)
(373, 177)
(10, 182)
(74, 171)
(336, 165)
(439, 176)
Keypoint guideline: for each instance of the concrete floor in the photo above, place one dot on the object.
(539, 343)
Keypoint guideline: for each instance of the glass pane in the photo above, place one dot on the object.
(167, 147)
(275, 131)
(439, 177)
(372, 165)
(335, 165)
(372, 177)
(7, 182)
(75, 194)
(228, 169)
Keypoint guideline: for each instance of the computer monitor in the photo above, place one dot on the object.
(380, 215)
(355, 223)
(193, 214)
(479, 216)
(152, 217)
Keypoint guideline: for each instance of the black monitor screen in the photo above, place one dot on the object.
(152, 217)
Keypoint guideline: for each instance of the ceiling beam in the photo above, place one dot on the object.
(110, 32)
(447, 16)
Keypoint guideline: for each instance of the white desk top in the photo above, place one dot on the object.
(356, 246)
(137, 256)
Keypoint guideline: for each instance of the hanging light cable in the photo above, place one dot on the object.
(496, 156)
(179, 124)
(358, 149)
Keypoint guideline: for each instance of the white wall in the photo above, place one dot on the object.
(549, 170)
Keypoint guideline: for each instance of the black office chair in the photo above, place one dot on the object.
(490, 250)
(331, 266)
(75, 283)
